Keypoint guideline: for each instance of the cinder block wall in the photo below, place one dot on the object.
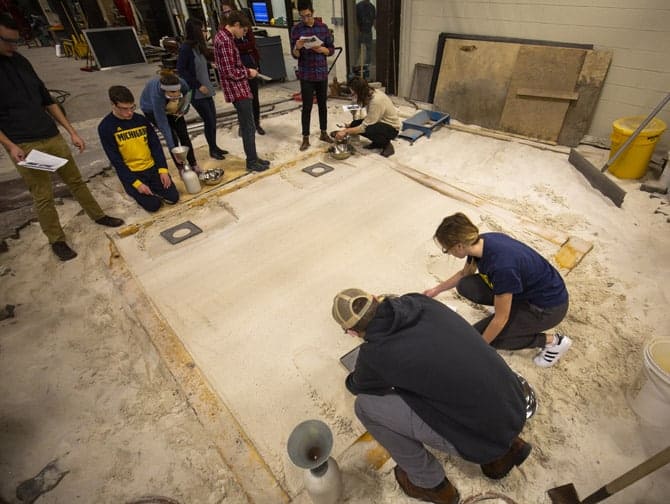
(637, 31)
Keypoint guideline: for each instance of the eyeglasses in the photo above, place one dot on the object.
(132, 108)
(13, 41)
(306, 16)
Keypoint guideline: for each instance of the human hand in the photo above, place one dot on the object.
(166, 180)
(78, 142)
(144, 189)
(204, 89)
(253, 73)
(340, 134)
(431, 292)
(300, 44)
(17, 153)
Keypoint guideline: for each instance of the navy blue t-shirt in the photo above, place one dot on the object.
(513, 267)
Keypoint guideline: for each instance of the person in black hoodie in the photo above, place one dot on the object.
(424, 376)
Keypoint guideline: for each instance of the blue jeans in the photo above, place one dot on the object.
(245, 116)
(207, 111)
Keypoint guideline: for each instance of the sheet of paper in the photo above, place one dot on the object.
(39, 160)
(348, 108)
(311, 41)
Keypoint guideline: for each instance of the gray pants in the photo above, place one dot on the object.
(526, 321)
(398, 429)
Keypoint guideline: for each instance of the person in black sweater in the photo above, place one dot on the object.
(133, 148)
(424, 376)
(28, 116)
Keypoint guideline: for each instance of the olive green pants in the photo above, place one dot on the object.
(39, 184)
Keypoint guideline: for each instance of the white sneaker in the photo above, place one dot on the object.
(550, 354)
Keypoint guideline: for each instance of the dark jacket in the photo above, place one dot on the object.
(442, 368)
(23, 98)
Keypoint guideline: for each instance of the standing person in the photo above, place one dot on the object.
(365, 20)
(381, 124)
(192, 67)
(251, 58)
(133, 148)
(528, 294)
(28, 117)
(423, 376)
(235, 83)
(312, 68)
(164, 101)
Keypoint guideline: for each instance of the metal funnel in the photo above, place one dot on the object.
(180, 153)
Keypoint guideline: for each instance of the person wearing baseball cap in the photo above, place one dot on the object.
(425, 377)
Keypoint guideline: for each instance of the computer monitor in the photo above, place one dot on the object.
(262, 12)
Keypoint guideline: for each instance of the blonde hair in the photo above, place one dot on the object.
(455, 229)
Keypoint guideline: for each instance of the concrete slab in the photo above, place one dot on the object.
(283, 250)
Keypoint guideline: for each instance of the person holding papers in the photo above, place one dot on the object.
(28, 116)
(133, 148)
(311, 44)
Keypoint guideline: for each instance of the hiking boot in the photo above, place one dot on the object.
(550, 354)
(63, 251)
(516, 455)
(108, 221)
(305, 143)
(325, 137)
(444, 493)
(260, 130)
(388, 150)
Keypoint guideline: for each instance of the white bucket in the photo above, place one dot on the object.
(59, 51)
(650, 397)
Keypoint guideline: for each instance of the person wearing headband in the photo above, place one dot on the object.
(164, 101)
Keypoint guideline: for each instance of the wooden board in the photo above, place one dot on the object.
(473, 80)
(551, 69)
(420, 90)
(589, 84)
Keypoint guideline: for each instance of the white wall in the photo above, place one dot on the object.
(637, 31)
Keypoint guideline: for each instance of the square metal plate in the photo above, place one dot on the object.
(348, 360)
(180, 232)
(318, 169)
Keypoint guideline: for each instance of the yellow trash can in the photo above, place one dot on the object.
(633, 163)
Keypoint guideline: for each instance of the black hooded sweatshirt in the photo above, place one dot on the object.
(443, 369)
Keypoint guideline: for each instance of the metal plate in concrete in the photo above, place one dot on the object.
(318, 169)
(180, 232)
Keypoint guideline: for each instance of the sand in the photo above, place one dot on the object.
(98, 397)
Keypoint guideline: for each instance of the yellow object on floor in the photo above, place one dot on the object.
(633, 163)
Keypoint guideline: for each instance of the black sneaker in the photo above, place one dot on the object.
(216, 155)
(109, 221)
(260, 130)
(63, 251)
(263, 161)
(257, 166)
(388, 150)
(221, 151)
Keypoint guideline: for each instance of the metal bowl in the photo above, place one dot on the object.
(211, 177)
(529, 396)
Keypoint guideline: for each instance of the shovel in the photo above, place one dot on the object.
(567, 494)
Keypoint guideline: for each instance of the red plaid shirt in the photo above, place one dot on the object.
(233, 74)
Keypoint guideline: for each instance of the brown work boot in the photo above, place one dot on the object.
(325, 137)
(305, 143)
(444, 493)
(516, 455)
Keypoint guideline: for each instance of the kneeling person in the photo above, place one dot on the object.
(133, 148)
(424, 376)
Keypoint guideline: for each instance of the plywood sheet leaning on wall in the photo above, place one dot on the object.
(589, 85)
(473, 79)
(542, 86)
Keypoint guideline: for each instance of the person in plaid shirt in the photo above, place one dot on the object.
(312, 68)
(235, 83)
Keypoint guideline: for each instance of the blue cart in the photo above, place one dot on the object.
(422, 124)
